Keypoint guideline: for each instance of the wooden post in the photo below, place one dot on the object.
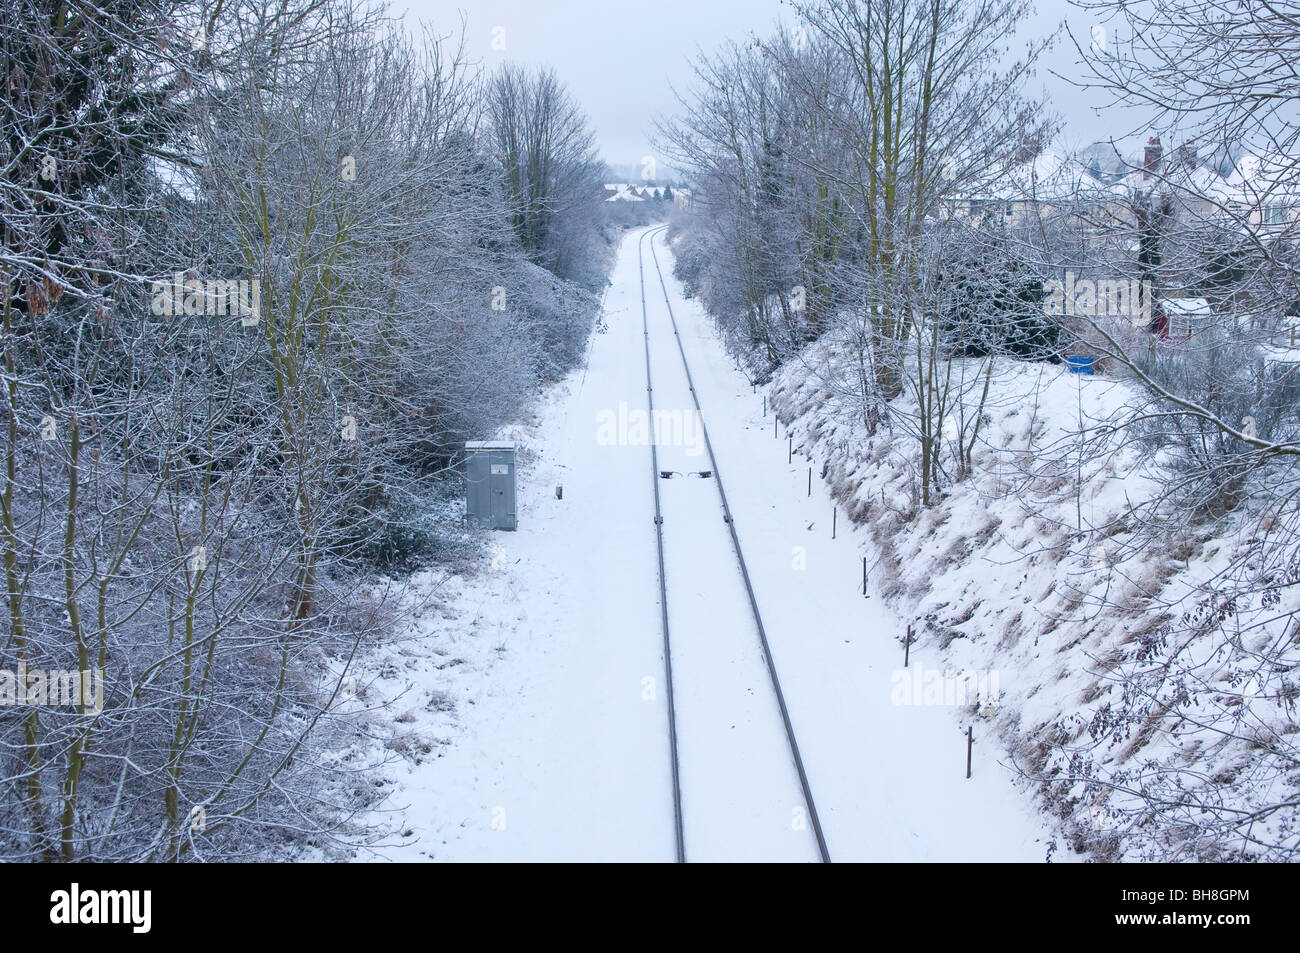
(907, 645)
(810, 481)
(864, 576)
(789, 454)
(559, 491)
(835, 512)
(764, 405)
(970, 742)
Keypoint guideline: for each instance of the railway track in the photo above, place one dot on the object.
(715, 473)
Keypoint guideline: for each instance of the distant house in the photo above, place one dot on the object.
(1111, 210)
(1044, 180)
(622, 192)
(1185, 316)
(630, 192)
(1261, 194)
(1263, 190)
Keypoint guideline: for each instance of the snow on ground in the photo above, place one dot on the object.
(530, 714)
(543, 748)
(1006, 573)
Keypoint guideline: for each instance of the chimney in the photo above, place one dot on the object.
(1151, 158)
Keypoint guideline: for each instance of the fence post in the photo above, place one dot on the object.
(907, 645)
(810, 481)
(970, 742)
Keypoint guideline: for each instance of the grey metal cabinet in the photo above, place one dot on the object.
(490, 484)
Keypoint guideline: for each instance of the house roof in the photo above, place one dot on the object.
(1049, 176)
(1192, 307)
(631, 192)
(1264, 179)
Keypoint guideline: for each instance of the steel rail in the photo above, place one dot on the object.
(740, 556)
(663, 582)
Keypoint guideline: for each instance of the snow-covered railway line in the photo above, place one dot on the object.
(739, 787)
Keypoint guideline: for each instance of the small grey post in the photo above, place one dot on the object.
(907, 645)
(835, 513)
(810, 481)
(789, 454)
(970, 742)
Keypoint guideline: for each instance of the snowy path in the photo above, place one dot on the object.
(559, 749)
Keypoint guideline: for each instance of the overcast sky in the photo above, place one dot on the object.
(622, 60)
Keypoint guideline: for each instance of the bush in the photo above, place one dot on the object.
(993, 304)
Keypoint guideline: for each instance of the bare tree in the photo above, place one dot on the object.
(552, 179)
(248, 319)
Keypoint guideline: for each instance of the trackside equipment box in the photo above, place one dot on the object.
(490, 484)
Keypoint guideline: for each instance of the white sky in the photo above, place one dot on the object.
(621, 60)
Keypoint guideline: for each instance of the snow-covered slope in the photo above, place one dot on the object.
(1026, 570)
